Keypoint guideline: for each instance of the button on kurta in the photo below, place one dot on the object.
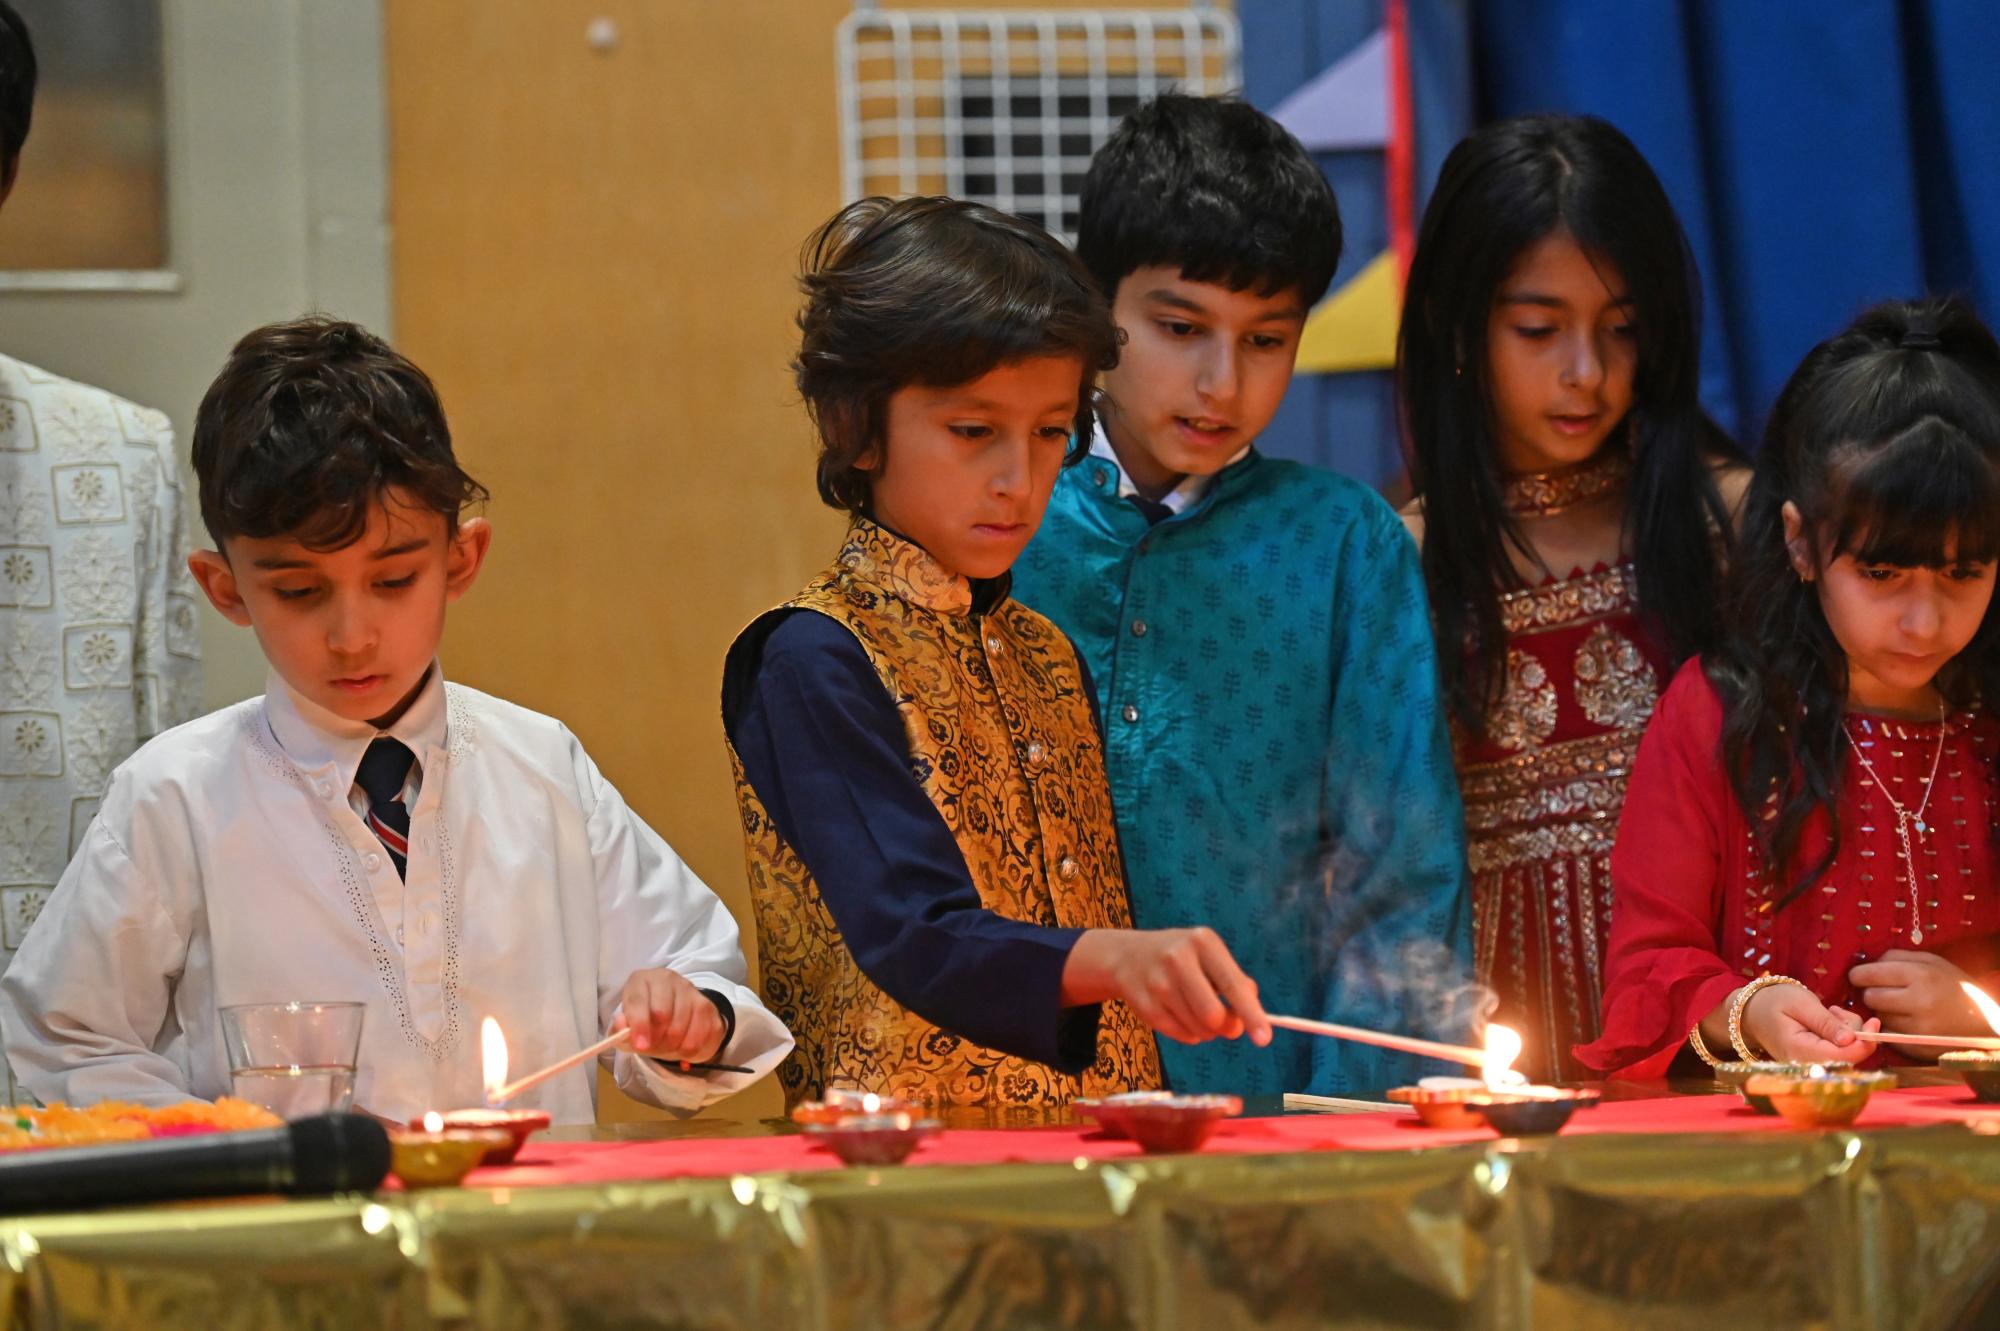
(1067, 868)
(1131, 713)
(1138, 628)
(373, 861)
(1035, 751)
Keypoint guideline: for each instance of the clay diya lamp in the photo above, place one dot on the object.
(839, 1104)
(1820, 1097)
(1160, 1121)
(518, 1124)
(1737, 1075)
(1443, 1106)
(439, 1158)
(1541, 1112)
(1979, 1069)
(1086, 1108)
(874, 1139)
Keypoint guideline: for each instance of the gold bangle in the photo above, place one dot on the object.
(1700, 1047)
(1742, 1000)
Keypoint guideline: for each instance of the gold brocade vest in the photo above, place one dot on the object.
(1003, 741)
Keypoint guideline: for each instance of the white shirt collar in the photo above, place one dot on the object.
(1179, 499)
(315, 738)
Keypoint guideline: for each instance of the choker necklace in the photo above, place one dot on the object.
(1906, 819)
(1543, 494)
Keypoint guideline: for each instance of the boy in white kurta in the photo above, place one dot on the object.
(261, 854)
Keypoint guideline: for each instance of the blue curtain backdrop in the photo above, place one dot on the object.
(1822, 157)
(1347, 421)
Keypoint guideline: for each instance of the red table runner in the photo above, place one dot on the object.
(552, 1162)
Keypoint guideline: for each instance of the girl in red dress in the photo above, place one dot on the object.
(1572, 501)
(1808, 848)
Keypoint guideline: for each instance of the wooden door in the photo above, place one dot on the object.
(594, 254)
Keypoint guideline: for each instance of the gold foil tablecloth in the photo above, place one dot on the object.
(1866, 1229)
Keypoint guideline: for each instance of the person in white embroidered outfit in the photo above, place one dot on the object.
(237, 860)
(97, 613)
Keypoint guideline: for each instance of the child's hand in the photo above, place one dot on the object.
(1181, 982)
(1792, 1026)
(669, 1018)
(1917, 993)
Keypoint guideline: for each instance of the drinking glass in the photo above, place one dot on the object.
(294, 1059)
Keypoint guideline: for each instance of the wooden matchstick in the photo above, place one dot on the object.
(514, 1088)
(1408, 1044)
(1983, 1042)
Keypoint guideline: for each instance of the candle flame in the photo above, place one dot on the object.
(433, 1121)
(493, 1055)
(871, 1103)
(1987, 1007)
(1503, 1046)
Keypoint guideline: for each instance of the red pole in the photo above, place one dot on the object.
(1400, 153)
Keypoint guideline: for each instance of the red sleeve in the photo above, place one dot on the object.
(1663, 969)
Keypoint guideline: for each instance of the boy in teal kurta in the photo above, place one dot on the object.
(1256, 629)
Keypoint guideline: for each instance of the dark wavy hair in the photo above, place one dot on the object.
(1502, 190)
(1887, 439)
(17, 89)
(311, 422)
(1216, 188)
(938, 292)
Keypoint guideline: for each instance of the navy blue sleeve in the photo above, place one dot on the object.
(823, 746)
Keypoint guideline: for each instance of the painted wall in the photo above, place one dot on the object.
(276, 178)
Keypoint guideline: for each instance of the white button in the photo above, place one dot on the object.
(1067, 868)
(1035, 752)
(325, 789)
(399, 935)
(995, 646)
(373, 862)
(1130, 713)
(1138, 628)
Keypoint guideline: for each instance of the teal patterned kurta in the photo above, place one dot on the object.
(1277, 751)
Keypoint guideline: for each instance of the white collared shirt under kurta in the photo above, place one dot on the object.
(228, 865)
(1185, 494)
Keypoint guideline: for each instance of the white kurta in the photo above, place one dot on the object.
(97, 619)
(227, 866)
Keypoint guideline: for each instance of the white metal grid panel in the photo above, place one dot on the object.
(1006, 106)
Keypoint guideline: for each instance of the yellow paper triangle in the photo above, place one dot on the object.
(1355, 327)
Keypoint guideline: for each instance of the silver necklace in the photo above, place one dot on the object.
(1905, 820)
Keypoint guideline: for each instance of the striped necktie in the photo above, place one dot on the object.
(383, 772)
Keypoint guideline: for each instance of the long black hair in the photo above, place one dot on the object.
(1887, 440)
(1502, 190)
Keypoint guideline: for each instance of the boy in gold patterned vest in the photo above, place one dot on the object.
(941, 903)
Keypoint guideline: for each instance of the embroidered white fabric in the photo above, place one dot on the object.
(98, 649)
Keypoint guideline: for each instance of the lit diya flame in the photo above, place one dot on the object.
(871, 1103)
(1503, 1046)
(434, 1121)
(1987, 1007)
(492, 1056)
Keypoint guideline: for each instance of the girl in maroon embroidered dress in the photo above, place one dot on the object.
(1808, 847)
(1571, 504)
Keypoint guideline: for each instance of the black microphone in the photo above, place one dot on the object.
(330, 1153)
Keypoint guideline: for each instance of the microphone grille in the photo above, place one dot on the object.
(338, 1153)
